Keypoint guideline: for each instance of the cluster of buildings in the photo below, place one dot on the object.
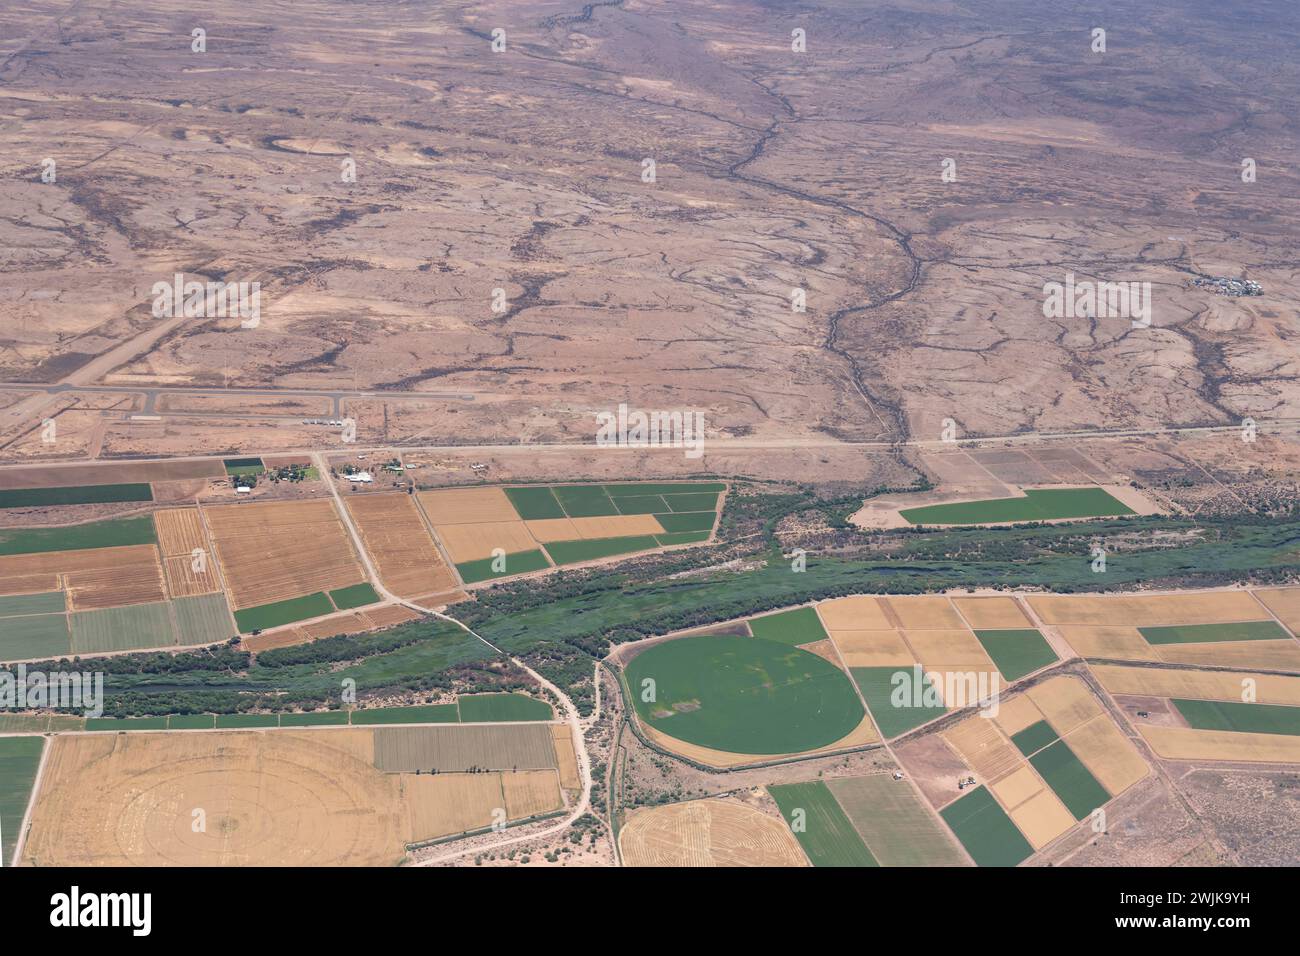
(1233, 287)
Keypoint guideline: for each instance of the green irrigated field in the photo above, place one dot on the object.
(682, 537)
(126, 723)
(640, 504)
(520, 562)
(489, 708)
(19, 759)
(820, 825)
(1070, 779)
(354, 595)
(584, 501)
(799, 626)
(135, 627)
(1240, 717)
(318, 719)
(533, 504)
(1034, 737)
(878, 685)
(283, 612)
(244, 466)
(896, 827)
(590, 549)
(46, 602)
(191, 722)
(667, 488)
(1017, 652)
(113, 533)
(687, 521)
(203, 619)
(1215, 633)
(985, 830)
(743, 695)
(424, 714)
(34, 635)
(1044, 505)
(76, 495)
(244, 721)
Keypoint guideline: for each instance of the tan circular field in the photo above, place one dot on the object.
(707, 833)
(216, 799)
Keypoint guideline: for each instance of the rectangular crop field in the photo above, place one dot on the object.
(354, 595)
(1240, 717)
(489, 708)
(820, 825)
(472, 506)
(575, 552)
(262, 616)
(460, 748)
(114, 533)
(1017, 652)
(798, 626)
(896, 827)
(1214, 633)
(985, 830)
(520, 562)
(131, 628)
(406, 558)
(204, 619)
(19, 759)
(34, 636)
(533, 504)
(76, 495)
(1042, 505)
(420, 714)
(877, 687)
(274, 551)
(1070, 779)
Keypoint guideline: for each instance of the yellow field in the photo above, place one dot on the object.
(1285, 605)
(388, 616)
(1066, 702)
(857, 613)
(1148, 610)
(408, 562)
(616, 526)
(1042, 818)
(471, 542)
(873, 648)
(443, 804)
(1196, 685)
(566, 757)
(1016, 714)
(467, 506)
(184, 581)
(991, 612)
(707, 833)
(1279, 655)
(925, 612)
(547, 530)
(269, 799)
(1017, 787)
(949, 650)
(529, 793)
(1108, 754)
(274, 551)
(1184, 743)
(1108, 643)
(180, 531)
(985, 751)
(135, 583)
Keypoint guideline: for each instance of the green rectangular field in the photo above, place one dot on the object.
(1018, 651)
(688, 521)
(1035, 737)
(244, 466)
(1234, 715)
(695, 502)
(114, 533)
(534, 504)
(820, 825)
(354, 595)
(75, 495)
(584, 501)
(424, 714)
(640, 505)
(318, 719)
(191, 722)
(682, 537)
(798, 626)
(666, 488)
(24, 723)
(1043, 505)
(1215, 633)
(131, 628)
(896, 827)
(203, 619)
(283, 612)
(573, 552)
(521, 562)
(126, 723)
(985, 830)
(237, 721)
(1070, 779)
(490, 708)
(36, 635)
(46, 602)
(877, 687)
(19, 759)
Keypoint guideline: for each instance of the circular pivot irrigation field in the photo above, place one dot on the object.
(743, 695)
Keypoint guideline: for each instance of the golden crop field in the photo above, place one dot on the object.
(184, 581)
(274, 551)
(467, 506)
(1148, 610)
(1042, 818)
(985, 751)
(707, 833)
(404, 553)
(180, 531)
(991, 612)
(856, 613)
(924, 612)
(1109, 755)
(472, 542)
(1197, 685)
(1185, 743)
(94, 577)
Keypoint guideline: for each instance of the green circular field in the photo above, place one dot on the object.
(743, 695)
